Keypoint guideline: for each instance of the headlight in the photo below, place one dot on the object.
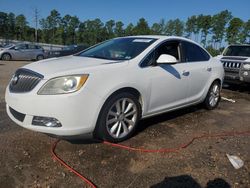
(63, 85)
(246, 66)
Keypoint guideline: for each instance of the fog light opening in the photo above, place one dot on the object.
(245, 73)
(46, 121)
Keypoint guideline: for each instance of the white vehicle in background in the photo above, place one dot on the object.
(236, 62)
(22, 52)
(105, 90)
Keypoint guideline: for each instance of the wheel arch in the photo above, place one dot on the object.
(130, 90)
(39, 55)
(217, 80)
(6, 53)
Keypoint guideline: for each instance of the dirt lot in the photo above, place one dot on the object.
(25, 158)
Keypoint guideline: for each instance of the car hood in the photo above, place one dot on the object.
(2, 49)
(233, 58)
(70, 65)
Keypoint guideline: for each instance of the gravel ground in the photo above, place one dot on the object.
(25, 158)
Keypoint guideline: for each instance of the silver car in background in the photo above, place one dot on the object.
(22, 52)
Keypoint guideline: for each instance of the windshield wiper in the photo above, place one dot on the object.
(97, 56)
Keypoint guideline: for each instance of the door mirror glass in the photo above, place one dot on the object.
(168, 59)
(16, 48)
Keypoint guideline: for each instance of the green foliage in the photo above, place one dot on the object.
(119, 31)
(174, 27)
(245, 34)
(209, 30)
(142, 28)
(233, 31)
(21, 27)
(204, 24)
(213, 52)
(219, 22)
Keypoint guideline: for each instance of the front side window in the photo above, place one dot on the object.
(21, 47)
(194, 53)
(169, 48)
(119, 49)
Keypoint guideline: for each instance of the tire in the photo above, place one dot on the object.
(6, 57)
(118, 118)
(39, 57)
(213, 96)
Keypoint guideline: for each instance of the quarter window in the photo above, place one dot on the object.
(194, 53)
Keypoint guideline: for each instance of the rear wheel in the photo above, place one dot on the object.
(6, 57)
(213, 96)
(39, 57)
(118, 118)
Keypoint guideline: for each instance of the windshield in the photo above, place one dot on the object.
(119, 49)
(237, 51)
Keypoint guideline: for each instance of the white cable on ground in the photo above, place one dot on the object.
(229, 100)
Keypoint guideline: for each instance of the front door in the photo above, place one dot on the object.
(169, 82)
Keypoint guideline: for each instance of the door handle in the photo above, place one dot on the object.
(209, 69)
(185, 73)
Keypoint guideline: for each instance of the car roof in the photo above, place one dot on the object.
(161, 37)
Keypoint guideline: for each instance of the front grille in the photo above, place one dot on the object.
(24, 80)
(19, 116)
(230, 64)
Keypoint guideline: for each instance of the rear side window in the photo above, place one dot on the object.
(193, 53)
(31, 46)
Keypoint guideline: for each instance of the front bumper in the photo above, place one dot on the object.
(237, 77)
(77, 112)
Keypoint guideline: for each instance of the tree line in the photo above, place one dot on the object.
(209, 30)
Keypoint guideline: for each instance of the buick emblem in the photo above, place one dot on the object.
(15, 80)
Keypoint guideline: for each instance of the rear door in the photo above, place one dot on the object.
(200, 69)
(31, 52)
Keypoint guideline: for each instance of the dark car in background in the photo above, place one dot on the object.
(68, 50)
(22, 52)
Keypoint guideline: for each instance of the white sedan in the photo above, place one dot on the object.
(105, 90)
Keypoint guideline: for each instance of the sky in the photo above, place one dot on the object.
(126, 10)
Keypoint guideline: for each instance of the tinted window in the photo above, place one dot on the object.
(119, 49)
(194, 53)
(238, 51)
(31, 46)
(148, 60)
(22, 46)
(170, 48)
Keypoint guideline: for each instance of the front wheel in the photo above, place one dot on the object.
(6, 57)
(213, 96)
(118, 118)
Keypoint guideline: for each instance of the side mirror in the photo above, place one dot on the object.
(16, 48)
(166, 59)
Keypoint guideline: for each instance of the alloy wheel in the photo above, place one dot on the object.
(121, 118)
(6, 57)
(214, 95)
